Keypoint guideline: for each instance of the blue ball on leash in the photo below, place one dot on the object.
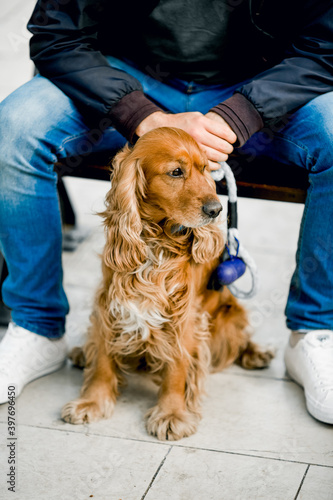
(230, 270)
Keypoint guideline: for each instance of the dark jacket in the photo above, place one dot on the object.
(293, 63)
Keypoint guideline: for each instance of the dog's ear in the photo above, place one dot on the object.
(125, 250)
(208, 243)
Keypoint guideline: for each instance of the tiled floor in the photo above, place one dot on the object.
(256, 439)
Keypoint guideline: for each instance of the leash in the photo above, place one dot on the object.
(235, 259)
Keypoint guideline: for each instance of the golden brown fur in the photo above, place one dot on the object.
(153, 311)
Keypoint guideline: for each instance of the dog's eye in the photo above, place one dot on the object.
(176, 173)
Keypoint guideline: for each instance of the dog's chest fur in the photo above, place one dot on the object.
(150, 305)
(135, 319)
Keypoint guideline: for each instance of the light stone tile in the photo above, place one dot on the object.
(272, 334)
(41, 402)
(189, 474)
(77, 322)
(318, 484)
(272, 226)
(244, 415)
(53, 464)
(275, 272)
(83, 267)
(261, 417)
(87, 197)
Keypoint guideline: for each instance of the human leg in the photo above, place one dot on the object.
(38, 125)
(307, 141)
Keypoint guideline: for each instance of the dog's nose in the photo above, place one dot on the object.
(212, 208)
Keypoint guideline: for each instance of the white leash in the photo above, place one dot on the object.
(235, 246)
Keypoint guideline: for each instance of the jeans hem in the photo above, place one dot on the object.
(54, 333)
(293, 326)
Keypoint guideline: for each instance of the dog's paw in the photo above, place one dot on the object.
(170, 426)
(77, 357)
(82, 411)
(255, 357)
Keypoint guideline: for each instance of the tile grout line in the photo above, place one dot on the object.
(262, 377)
(161, 443)
(156, 473)
(300, 486)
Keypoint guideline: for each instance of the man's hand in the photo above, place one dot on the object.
(211, 132)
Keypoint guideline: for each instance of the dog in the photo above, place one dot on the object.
(153, 312)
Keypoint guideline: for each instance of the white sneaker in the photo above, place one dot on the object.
(25, 356)
(310, 363)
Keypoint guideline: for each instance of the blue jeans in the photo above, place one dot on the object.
(39, 124)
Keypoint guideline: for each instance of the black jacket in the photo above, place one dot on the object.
(293, 63)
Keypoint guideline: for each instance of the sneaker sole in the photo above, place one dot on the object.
(313, 408)
(317, 411)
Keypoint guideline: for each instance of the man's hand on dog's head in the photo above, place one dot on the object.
(211, 132)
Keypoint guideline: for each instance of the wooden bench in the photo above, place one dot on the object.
(260, 178)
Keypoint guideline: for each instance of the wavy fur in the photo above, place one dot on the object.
(153, 312)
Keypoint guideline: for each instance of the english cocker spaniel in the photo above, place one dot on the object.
(153, 311)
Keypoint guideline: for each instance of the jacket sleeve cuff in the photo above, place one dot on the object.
(241, 116)
(130, 111)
